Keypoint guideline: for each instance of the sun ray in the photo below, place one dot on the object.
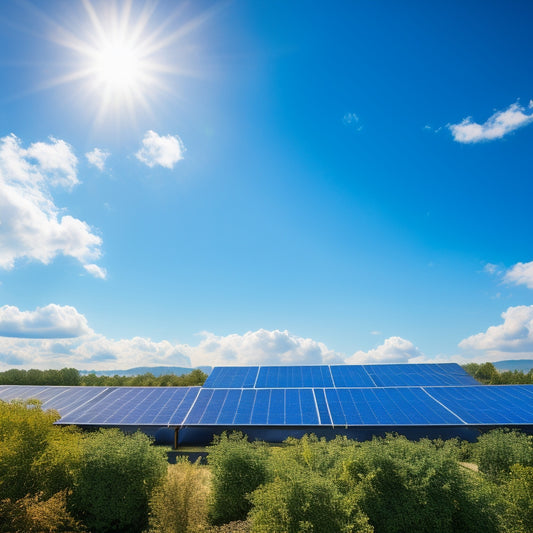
(125, 54)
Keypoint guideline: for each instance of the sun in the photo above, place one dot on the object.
(118, 67)
(124, 54)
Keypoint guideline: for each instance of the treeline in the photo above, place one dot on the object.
(61, 479)
(71, 377)
(488, 374)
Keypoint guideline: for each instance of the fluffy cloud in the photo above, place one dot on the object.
(50, 322)
(260, 347)
(30, 223)
(496, 126)
(393, 350)
(520, 274)
(97, 158)
(509, 340)
(96, 271)
(160, 150)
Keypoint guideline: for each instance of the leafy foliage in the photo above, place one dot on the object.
(498, 450)
(518, 492)
(24, 434)
(33, 514)
(115, 480)
(238, 468)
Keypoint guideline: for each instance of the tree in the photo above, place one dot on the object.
(115, 481)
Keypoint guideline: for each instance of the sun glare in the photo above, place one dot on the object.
(118, 67)
(123, 58)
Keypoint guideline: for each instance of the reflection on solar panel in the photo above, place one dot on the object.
(394, 375)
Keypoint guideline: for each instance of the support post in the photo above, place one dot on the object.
(176, 436)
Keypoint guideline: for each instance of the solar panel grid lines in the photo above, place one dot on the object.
(447, 408)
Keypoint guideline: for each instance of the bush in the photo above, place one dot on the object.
(115, 481)
(495, 452)
(179, 504)
(33, 514)
(306, 502)
(25, 431)
(518, 492)
(413, 486)
(238, 468)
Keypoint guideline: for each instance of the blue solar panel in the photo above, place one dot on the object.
(135, 406)
(293, 376)
(409, 406)
(232, 377)
(488, 404)
(410, 375)
(318, 376)
(351, 376)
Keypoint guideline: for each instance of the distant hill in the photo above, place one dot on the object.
(155, 370)
(525, 365)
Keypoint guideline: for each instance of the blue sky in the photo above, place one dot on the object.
(248, 182)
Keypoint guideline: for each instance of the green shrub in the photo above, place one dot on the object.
(518, 493)
(306, 502)
(495, 452)
(115, 480)
(238, 468)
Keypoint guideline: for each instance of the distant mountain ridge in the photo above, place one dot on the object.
(155, 370)
(525, 365)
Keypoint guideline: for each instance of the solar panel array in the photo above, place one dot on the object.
(305, 396)
(111, 406)
(393, 375)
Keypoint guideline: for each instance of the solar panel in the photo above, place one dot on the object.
(424, 375)
(135, 406)
(230, 377)
(293, 376)
(488, 404)
(351, 376)
(256, 407)
(325, 376)
(402, 406)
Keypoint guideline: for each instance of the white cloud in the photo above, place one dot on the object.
(56, 159)
(160, 150)
(496, 126)
(512, 339)
(97, 157)
(351, 119)
(520, 274)
(31, 225)
(260, 347)
(393, 350)
(49, 322)
(96, 271)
